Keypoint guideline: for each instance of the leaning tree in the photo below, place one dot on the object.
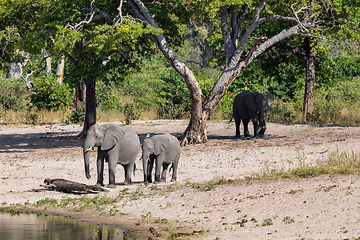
(238, 23)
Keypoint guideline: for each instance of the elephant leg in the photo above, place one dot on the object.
(262, 124)
(159, 163)
(262, 129)
(164, 172)
(100, 171)
(149, 168)
(128, 169)
(237, 126)
(246, 127)
(256, 126)
(175, 167)
(112, 167)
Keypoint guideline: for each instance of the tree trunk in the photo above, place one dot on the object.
(60, 69)
(80, 89)
(310, 79)
(196, 132)
(47, 57)
(90, 115)
(14, 71)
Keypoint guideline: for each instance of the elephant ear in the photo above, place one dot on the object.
(160, 145)
(269, 99)
(251, 101)
(113, 134)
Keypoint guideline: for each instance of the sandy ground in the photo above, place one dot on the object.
(326, 207)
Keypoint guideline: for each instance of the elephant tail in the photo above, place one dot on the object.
(134, 168)
(231, 119)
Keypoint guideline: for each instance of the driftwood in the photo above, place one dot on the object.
(63, 185)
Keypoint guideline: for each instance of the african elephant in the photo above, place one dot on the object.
(115, 145)
(248, 105)
(164, 150)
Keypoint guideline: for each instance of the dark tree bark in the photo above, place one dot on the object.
(90, 115)
(310, 79)
(80, 94)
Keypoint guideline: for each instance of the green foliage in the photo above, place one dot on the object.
(77, 115)
(226, 105)
(108, 96)
(12, 94)
(130, 113)
(32, 118)
(50, 95)
(346, 68)
(174, 98)
(338, 104)
(286, 112)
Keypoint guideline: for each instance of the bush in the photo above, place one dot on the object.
(285, 112)
(32, 118)
(108, 97)
(130, 113)
(77, 115)
(338, 104)
(50, 95)
(12, 94)
(174, 101)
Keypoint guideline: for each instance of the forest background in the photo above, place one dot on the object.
(153, 90)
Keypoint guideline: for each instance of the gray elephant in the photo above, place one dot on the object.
(164, 150)
(248, 105)
(115, 145)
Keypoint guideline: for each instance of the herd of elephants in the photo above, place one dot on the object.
(120, 145)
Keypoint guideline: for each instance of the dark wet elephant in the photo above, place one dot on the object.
(248, 105)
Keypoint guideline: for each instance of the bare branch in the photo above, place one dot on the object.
(119, 16)
(89, 17)
(239, 50)
(276, 17)
(237, 22)
(228, 46)
(297, 17)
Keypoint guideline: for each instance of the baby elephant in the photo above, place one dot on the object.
(165, 150)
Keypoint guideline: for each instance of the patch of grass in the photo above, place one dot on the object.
(337, 163)
(145, 217)
(47, 202)
(267, 222)
(288, 220)
(13, 211)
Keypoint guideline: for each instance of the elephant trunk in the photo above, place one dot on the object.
(145, 165)
(87, 160)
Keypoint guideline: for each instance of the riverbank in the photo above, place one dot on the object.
(208, 201)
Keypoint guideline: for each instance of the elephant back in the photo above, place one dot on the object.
(131, 135)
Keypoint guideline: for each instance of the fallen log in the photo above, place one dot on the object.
(63, 185)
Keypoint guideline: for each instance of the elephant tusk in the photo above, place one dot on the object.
(89, 149)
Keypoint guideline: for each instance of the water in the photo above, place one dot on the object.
(33, 227)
